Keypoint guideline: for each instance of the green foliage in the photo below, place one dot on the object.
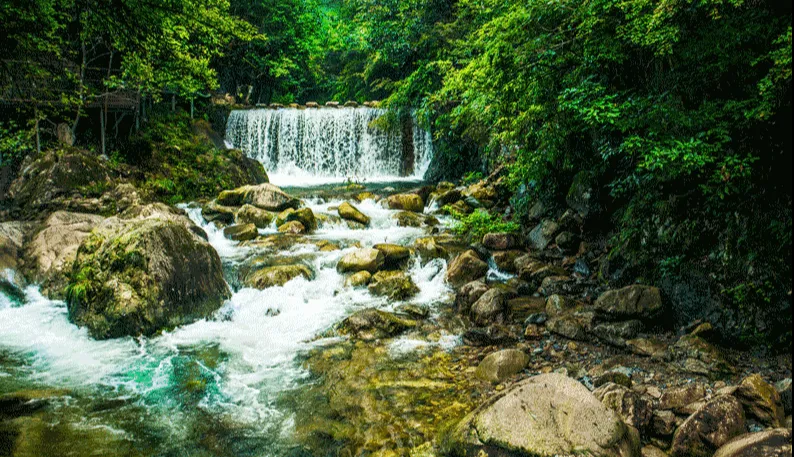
(472, 177)
(479, 223)
(15, 142)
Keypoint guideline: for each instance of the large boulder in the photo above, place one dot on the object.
(500, 365)
(761, 400)
(769, 443)
(144, 271)
(466, 268)
(406, 202)
(711, 426)
(276, 275)
(632, 302)
(544, 416)
(51, 251)
(351, 213)
(264, 196)
(365, 259)
(393, 284)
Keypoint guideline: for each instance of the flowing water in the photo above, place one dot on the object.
(208, 388)
(309, 146)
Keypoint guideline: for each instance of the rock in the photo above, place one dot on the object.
(373, 324)
(365, 259)
(632, 302)
(213, 212)
(499, 241)
(784, 390)
(304, 215)
(393, 254)
(264, 196)
(490, 308)
(429, 249)
(279, 275)
(408, 219)
(567, 242)
(537, 272)
(558, 304)
(648, 347)
(466, 268)
(713, 425)
(393, 284)
(769, 443)
(617, 333)
(482, 192)
(360, 197)
(663, 423)
(633, 408)
(50, 253)
(359, 279)
(468, 295)
(568, 326)
(678, 398)
(242, 232)
(406, 202)
(505, 260)
(542, 235)
(613, 377)
(571, 221)
(493, 335)
(351, 213)
(700, 357)
(143, 271)
(544, 416)
(582, 194)
(446, 196)
(761, 401)
(561, 285)
(292, 228)
(652, 451)
(250, 214)
(498, 366)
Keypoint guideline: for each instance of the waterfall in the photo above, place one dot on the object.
(327, 144)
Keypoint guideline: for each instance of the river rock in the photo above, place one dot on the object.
(351, 213)
(51, 251)
(393, 254)
(769, 443)
(561, 285)
(632, 407)
(358, 279)
(292, 228)
(544, 416)
(365, 259)
(250, 214)
(144, 271)
(490, 308)
(428, 248)
(558, 304)
(542, 235)
(632, 302)
(468, 294)
(466, 268)
(537, 272)
(241, 232)
(393, 284)
(264, 196)
(406, 202)
(710, 427)
(279, 275)
(482, 192)
(569, 326)
(500, 365)
(761, 400)
(499, 241)
(303, 215)
(505, 260)
(213, 212)
(374, 324)
(411, 219)
(678, 398)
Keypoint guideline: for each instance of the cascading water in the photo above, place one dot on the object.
(329, 144)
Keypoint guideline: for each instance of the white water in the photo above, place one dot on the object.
(259, 331)
(300, 147)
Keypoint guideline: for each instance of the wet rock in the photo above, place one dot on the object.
(359, 279)
(408, 219)
(761, 401)
(632, 302)
(784, 390)
(633, 408)
(393, 254)
(365, 259)
(544, 416)
(355, 225)
(374, 324)
(241, 232)
(351, 213)
(393, 284)
(414, 311)
(698, 356)
(505, 260)
(499, 241)
(325, 220)
(143, 271)
(292, 228)
(663, 423)
(558, 304)
(213, 212)
(428, 248)
(490, 308)
(276, 275)
(493, 335)
(713, 425)
(543, 234)
(466, 268)
(366, 196)
(50, 253)
(303, 215)
(769, 443)
(678, 398)
(250, 214)
(406, 202)
(617, 333)
(468, 294)
(498, 366)
(264, 196)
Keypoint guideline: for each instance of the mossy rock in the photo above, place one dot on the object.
(395, 285)
(303, 215)
(393, 253)
(408, 219)
(213, 212)
(277, 275)
(292, 228)
(406, 202)
(241, 232)
(359, 279)
(365, 259)
(250, 214)
(139, 276)
(264, 196)
(372, 324)
(351, 213)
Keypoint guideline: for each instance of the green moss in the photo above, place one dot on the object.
(479, 222)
